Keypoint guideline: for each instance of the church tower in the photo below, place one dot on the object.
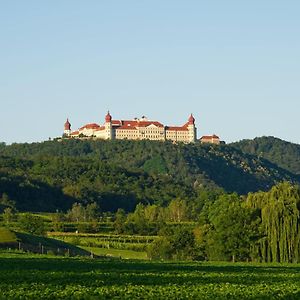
(108, 127)
(192, 129)
(67, 128)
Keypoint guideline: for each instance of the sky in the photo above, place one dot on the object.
(234, 64)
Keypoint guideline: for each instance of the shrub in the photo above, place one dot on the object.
(32, 224)
(160, 249)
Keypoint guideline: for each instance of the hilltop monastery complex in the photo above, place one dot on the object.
(139, 129)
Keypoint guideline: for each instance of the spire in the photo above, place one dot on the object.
(108, 117)
(191, 119)
(67, 125)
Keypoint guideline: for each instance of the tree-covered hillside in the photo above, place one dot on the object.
(54, 174)
(282, 153)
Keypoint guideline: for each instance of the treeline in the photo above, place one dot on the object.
(282, 153)
(120, 174)
(261, 227)
(55, 183)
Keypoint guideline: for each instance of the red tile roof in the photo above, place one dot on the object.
(209, 137)
(176, 128)
(74, 133)
(128, 123)
(90, 126)
(135, 123)
(148, 123)
(116, 123)
(127, 128)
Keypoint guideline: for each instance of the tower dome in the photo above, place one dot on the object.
(191, 119)
(108, 118)
(67, 125)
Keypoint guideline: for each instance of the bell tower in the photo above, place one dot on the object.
(108, 127)
(67, 128)
(192, 129)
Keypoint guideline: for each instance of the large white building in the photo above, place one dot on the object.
(137, 129)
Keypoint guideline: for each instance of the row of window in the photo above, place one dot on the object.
(138, 136)
(151, 132)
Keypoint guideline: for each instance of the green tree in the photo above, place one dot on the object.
(58, 219)
(178, 210)
(8, 215)
(201, 235)
(120, 220)
(178, 243)
(139, 220)
(5, 202)
(77, 213)
(231, 233)
(92, 211)
(280, 222)
(32, 224)
(183, 243)
(160, 248)
(151, 212)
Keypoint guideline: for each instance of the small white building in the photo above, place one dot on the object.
(211, 139)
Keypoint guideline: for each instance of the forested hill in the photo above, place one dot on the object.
(282, 153)
(53, 175)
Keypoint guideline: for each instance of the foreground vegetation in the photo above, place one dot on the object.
(259, 227)
(40, 277)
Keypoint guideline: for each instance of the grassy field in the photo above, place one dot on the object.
(38, 244)
(7, 236)
(45, 277)
(125, 254)
(125, 246)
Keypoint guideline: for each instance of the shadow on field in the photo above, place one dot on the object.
(94, 272)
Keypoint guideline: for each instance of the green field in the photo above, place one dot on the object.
(125, 254)
(45, 277)
(125, 246)
(37, 244)
(7, 236)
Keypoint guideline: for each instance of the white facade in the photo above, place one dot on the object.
(137, 129)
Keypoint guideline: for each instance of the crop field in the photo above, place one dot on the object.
(110, 245)
(24, 276)
(122, 242)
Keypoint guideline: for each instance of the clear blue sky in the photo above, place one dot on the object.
(234, 64)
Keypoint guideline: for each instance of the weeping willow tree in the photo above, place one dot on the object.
(280, 223)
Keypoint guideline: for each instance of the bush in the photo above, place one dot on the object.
(183, 242)
(178, 244)
(32, 224)
(160, 249)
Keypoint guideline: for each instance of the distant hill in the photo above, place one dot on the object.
(53, 175)
(284, 154)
